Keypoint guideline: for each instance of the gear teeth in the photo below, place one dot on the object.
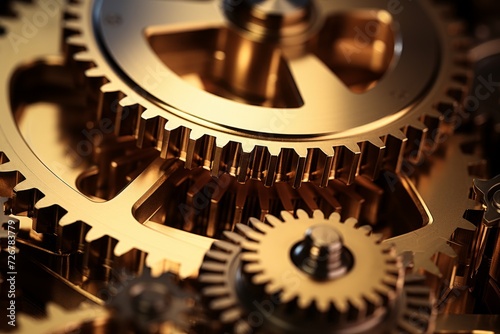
(395, 144)
(122, 248)
(67, 219)
(94, 234)
(23, 186)
(416, 133)
(44, 202)
(372, 154)
(7, 167)
(434, 123)
(346, 162)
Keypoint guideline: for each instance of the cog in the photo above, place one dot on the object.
(255, 272)
(488, 192)
(331, 135)
(152, 304)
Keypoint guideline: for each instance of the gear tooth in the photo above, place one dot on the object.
(216, 290)
(416, 133)
(222, 303)
(259, 226)
(253, 268)
(23, 185)
(301, 214)
(231, 315)
(288, 295)
(272, 288)
(322, 305)
(72, 24)
(243, 166)
(335, 217)
(318, 214)
(216, 255)
(94, 234)
(44, 202)
(94, 72)
(83, 56)
(341, 305)
(73, 9)
(287, 216)
(367, 228)
(249, 257)
(303, 302)
(260, 278)
(213, 267)
(346, 162)
(395, 144)
(122, 248)
(271, 173)
(372, 154)
(273, 221)
(235, 238)
(67, 219)
(210, 278)
(248, 232)
(7, 167)
(110, 87)
(351, 222)
(128, 101)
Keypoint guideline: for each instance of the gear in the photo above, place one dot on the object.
(338, 271)
(324, 133)
(152, 305)
(488, 192)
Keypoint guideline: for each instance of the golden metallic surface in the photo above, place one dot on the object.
(277, 143)
(132, 137)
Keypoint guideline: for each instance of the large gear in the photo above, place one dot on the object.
(118, 209)
(241, 279)
(344, 139)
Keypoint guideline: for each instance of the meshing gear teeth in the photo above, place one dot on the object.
(253, 275)
(309, 145)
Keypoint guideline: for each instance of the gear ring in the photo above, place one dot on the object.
(234, 290)
(222, 143)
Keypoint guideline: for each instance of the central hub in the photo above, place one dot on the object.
(271, 19)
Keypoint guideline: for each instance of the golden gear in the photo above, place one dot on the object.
(255, 272)
(331, 135)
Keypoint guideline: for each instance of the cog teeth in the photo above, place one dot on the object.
(44, 202)
(73, 9)
(23, 185)
(259, 226)
(94, 234)
(122, 248)
(248, 232)
(67, 219)
(372, 153)
(346, 162)
(416, 133)
(222, 303)
(395, 144)
(7, 167)
(94, 72)
(213, 267)
(217, 290)
(76, 40)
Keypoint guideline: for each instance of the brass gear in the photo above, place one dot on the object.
(244, 277)
(411, 101)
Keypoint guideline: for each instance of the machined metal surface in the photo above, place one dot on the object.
(140, 141)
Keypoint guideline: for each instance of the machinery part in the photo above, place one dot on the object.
(272, 278)
(327, 132)
(151, 305)
(86, 319)
(488, 192)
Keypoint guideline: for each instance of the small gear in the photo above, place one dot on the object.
(149, 304)
(488, 192)
(309, 273)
